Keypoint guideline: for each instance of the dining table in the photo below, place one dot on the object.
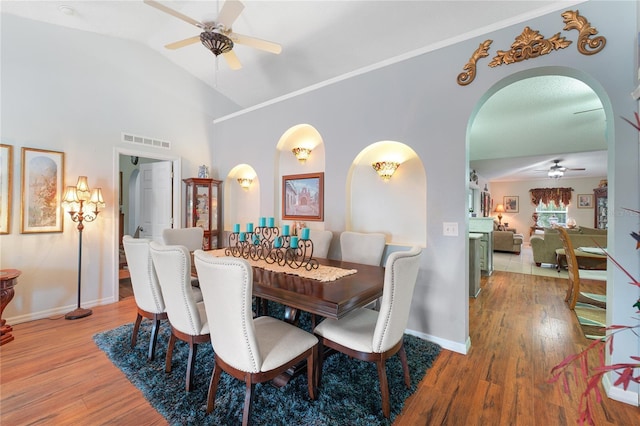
(332, 290)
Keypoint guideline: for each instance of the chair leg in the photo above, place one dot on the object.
(213, 387)
(153, 339)
(248, 402)
(384, 388)
(167, 363)
(320, 359)
(312, 371)
(191, 363)
(405, 366)
(136, 327)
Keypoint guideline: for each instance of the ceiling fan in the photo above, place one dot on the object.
(218, 36)
(557, 171)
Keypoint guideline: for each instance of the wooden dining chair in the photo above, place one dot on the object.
(186, 315)
(574, 295)
(374, 336)
(146, 289)
(365, 248)
(253, 350)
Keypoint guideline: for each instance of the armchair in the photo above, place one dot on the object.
(507, 240)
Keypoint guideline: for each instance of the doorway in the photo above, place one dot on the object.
(132, 168)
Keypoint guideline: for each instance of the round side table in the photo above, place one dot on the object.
(9, 279)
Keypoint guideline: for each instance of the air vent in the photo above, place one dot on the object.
(146, 141)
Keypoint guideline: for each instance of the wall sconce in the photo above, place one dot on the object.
(245, 183)
(385, 169)
(499, 209)
(302, 154)
(83, 205)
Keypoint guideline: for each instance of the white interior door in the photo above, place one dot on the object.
(156, 204)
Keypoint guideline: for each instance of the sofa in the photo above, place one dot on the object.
(507, 240)
(544, 245)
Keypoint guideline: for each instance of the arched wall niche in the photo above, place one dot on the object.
(371, 200)
(241, 205)
(300, 135)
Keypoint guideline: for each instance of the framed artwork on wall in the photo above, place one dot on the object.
(303, 197)
(6, 186)
(42, 186)
(585, 201)
(511, 203)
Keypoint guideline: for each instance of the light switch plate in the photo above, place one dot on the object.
(450, 229)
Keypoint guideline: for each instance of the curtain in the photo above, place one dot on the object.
(557, 195)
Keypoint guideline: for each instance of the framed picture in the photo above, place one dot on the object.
(585, 201)
(6, 170)
(303, 196)
(42, 187)
(511, 203)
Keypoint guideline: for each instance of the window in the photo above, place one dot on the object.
(549, 214)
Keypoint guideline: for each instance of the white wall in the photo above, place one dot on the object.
(418, 102)
(75, 92)
(522, 220)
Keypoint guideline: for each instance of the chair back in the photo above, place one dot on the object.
(226, 284)
(365, 248)
(321, 242)
(173, 267)
(572, 268)
(191, 238)
(144, 281)
(400, 276)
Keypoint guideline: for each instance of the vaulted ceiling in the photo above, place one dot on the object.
(327, 40)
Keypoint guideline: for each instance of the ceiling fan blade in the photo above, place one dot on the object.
(578, 169)
(172, 12)
(231, 9)
(232, 60)
(183, 43)
(267, 46)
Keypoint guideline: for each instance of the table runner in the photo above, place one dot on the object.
(324, 273)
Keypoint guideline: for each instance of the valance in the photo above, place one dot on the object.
(557, 195)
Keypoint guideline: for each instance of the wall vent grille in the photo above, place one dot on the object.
(145, 140)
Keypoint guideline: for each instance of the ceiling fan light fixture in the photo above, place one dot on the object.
(217, 43)
(555, 173)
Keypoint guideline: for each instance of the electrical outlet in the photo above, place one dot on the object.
(450, 229)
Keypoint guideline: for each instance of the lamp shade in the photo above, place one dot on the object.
(82, 188)
(96, 199)
(70, 200)
(499, 208)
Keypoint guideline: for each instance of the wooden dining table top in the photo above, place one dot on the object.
(330, 299)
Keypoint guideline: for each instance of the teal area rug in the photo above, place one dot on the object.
(349, 393)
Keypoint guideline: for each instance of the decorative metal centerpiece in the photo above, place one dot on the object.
(269, 244)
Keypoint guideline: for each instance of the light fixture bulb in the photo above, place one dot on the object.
(301, 153)
(385, 169)
(245, 183)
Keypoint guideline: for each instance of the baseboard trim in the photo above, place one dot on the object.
(48, 313)
(462, 348)
(619, 394)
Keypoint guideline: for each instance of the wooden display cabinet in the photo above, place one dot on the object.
(204, 209)
(600, 204)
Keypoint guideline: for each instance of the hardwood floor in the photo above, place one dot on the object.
(53, 373)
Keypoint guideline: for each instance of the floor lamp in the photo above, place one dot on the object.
(83, 206)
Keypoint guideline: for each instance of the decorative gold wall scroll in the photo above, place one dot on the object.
(531, 44)
(576, 22)
(528, 45)
(469, 73)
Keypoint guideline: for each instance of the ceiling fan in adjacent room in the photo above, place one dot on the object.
(557, 171)
(217, 36)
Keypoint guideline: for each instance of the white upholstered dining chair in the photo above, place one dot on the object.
(191, 238)
(321, 242)
(253, 350)
(374, 336)
(186, 315)
(146, 289)
(365, 248)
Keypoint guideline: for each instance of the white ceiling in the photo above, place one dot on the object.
(325, 40)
